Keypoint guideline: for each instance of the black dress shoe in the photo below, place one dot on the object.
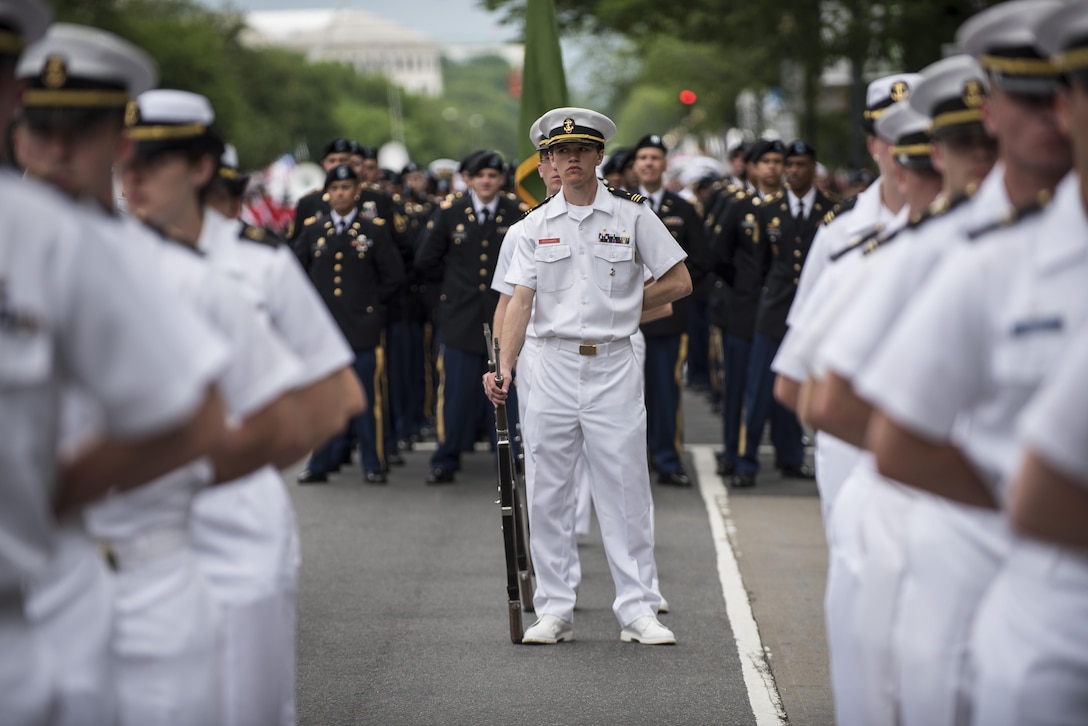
(797, 472)
(439, 475)
(744, 481)
(674, 479)
(394, 459)
(725, 468)
(404, 445)
(312, 477)
(374, 477)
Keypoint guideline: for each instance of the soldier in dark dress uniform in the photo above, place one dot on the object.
(666, 339)
(787, 227)
(314, 205)
(739, 260)
(459, 248)
(356, 268)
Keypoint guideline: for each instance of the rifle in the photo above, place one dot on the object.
(508, 504)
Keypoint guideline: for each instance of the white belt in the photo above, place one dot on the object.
(144, 548)
(584, 348)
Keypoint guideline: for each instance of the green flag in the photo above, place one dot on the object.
(543, 87)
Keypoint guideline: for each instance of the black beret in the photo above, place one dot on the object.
(762, 147)
(367, 152)
(409, 168)
(650, 141)
(337, 146)
(740, 150)
(799, 148)
(340, 173)
(484, 160)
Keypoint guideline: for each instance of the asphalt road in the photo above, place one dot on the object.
(402, 607)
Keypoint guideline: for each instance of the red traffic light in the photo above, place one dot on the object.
(688, 97)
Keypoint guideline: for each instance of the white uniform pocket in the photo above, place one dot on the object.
(614, 267)
(554, 270)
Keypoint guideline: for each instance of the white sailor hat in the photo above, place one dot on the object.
(165, 118)
(538, 136)
(1003, 39)
(21, 23)
(951, 94)
(883, 92)
(75, 66)
(229, 171)
(1063, 36)
(569, 124)
(908, 133)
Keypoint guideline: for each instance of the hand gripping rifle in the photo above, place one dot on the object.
(512, 530)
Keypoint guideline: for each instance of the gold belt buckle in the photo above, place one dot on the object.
(587, 349)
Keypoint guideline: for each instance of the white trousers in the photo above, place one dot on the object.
(165, 644)
(597, 402)
(883, 527)
(845, 556)
(27, 689)
(246, 541)
(954, 552)
(1030, 642)
(834, 459)
(70, 605)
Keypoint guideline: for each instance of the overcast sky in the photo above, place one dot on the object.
(447, 21)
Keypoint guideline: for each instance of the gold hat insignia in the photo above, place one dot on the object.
(55, 74)
(132, 113)
(899, 91)
(972, 94)
(568, 125)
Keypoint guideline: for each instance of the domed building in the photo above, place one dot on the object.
(371, 43)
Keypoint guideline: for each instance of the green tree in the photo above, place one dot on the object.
(745, 44)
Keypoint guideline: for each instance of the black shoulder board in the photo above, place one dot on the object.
(623, 194)
(1012, 217)
(840, 207)
(869, 235)
(537, 206)
(259, 235)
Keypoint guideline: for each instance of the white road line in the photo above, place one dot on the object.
(763, 694)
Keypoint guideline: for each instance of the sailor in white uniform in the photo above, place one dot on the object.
(834, 257)
(528, 356)
(952, 376)
(581, 257)
(894, 267)
(166, 632)
(72, 313)
(244, 534)
(1030, 641)
(79, 81)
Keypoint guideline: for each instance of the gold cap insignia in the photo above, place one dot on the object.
(972, 94)
(899, 91)
(568, 125)
(132, 113)
(55, 73)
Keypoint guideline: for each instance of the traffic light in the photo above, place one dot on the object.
(688, 97)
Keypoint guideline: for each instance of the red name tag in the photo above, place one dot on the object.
(548, 241)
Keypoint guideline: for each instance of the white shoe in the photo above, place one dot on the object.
(548, 630)
(648, 631)
(664, 606)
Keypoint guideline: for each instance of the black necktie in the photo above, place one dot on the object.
(484, 213)
(340, 227)
(800, 210)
